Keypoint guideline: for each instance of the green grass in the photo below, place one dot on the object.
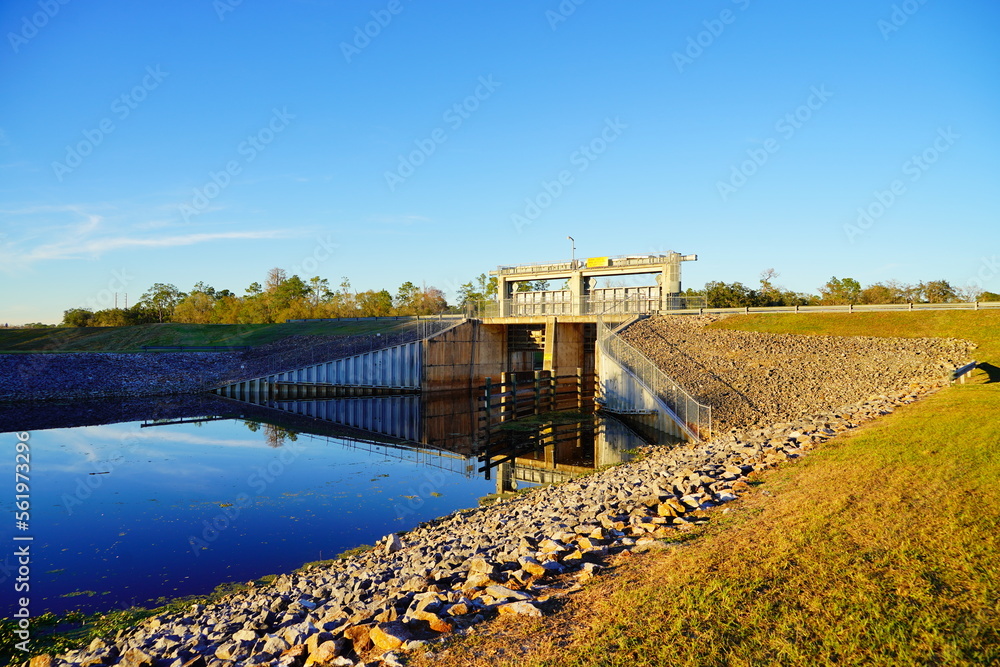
(131, 339)
(880, 548)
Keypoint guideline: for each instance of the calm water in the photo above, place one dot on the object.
(127, 513)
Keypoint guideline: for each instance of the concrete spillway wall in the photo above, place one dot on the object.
(458, 358)
(398, 367)
(624, 394)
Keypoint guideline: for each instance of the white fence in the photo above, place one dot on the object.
(632, 384)
(848, 308)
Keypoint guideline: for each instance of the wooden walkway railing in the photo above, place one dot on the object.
(519, 394)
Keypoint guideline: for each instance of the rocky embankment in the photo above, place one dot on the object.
(81, 375)
(85, 375)
(757, 378)
(445, 576)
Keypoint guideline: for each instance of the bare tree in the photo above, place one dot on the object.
(275, 278)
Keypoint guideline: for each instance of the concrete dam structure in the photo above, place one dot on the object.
(562, 332)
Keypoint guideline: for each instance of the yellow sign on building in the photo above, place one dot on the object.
(596, 262)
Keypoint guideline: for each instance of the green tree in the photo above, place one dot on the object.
(375, 304)
(938, 291)
(840, 291)
(289, 291)
(77, 317)
(467, 293)
(989, 296)
(196, 308)
(319, 290)
(888, 292)
(731, 295)
(201, 287)
(161, 299)
(487, 285)
(110, 317)
(406, 298)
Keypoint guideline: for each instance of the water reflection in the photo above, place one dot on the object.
(138, 500)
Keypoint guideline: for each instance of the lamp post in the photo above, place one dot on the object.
(572, 251)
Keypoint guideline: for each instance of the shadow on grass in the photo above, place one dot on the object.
(992, 372)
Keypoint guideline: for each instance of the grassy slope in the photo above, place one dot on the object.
(130, 339)
(881, 548)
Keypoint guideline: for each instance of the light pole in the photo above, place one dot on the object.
(572, 251)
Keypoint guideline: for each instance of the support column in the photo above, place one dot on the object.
(549, 353)
(670, 281)
(577, 294)
(568, 354)
(505, 478)
(505, 289)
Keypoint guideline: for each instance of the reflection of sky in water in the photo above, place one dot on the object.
(125, 534)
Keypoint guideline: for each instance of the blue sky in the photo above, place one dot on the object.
(185, 141)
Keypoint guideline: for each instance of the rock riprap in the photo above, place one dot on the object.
(449, 574)
(759, 378)
(81, 375)
(84, 375)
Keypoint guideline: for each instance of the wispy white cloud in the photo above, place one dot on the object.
(66, 232)
(97, 247)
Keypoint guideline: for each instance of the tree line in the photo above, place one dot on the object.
(836, 291)
(280, 298)
(284, 297)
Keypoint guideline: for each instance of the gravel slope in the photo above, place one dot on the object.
(757, 378)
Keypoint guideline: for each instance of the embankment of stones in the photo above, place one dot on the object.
(452, 573)
(759, 378)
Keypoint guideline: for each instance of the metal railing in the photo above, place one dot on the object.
(692, 416)
(846, 308)
(681, 305)
(522, 306)
(962, 372)
(576, 264)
